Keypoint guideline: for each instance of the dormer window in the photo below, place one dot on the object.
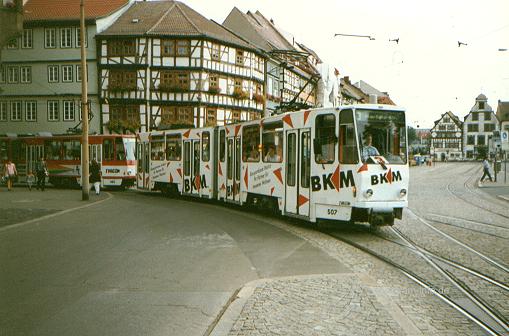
(481, 105)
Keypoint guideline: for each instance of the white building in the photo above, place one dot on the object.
(478, 127)
(446, 142)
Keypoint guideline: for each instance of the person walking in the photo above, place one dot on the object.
(41, 169)
(30, 180)
(10, 173)
(486, 169)
(95, 176)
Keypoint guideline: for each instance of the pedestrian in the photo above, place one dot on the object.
(30, 180)
(41, 169)
(95, 176)
(486, 169)
(10, 173)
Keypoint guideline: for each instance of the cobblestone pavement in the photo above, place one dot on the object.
(386, 299)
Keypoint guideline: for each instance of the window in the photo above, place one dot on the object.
(305, 159)
(447, 119)
(121, 80)
(473, 128)
(122, 47)
(50, 38)
(251, 143)
(173, 147)
(26, 74)
(78, 73)
(27, 39)
(53, 73)
(71, 150)
(239, 57)
(481, 105)
(475, 116)
(2, 73)
(13, 73)
(211, 117)
(487, 115)
(168, 48)
(16, 111)
(272, 142)
(65, 37)
(53, 110)
(69, 110)
(325, 137)
(205, 146)
(78, 38)
(481, 140)
(347, 143)
(125, 112)
(108, 150)
(442, 127)
(450, 127)
(12, 44)
(67, 73)
(470, 140)
(215, 52)
(222, 144)
(235, 116)
(291, 165)
(52, 149)
(31, 111)
(183, 48)
(213, 82)
(3, 111)
(183, 81)
(185, 115)
(489, 127)
(187, 163)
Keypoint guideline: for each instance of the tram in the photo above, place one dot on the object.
(341, 164)
(114, 153)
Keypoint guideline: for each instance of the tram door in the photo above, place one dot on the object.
(233, 169)
(143, 152)
(34, 152)
(298, 172)
(192, 174)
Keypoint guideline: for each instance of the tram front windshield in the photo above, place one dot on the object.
(381, 133)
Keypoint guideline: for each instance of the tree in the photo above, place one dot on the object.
(412, 135)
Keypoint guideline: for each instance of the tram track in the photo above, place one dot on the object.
(497, 324)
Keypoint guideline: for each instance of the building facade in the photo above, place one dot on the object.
(162, 65)
(446, 142)
(503, 115)
(478, 127)
(291, 74)
(40, 74)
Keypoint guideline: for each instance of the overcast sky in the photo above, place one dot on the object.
(426, 72)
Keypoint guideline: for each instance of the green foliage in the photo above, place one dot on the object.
(412, 135)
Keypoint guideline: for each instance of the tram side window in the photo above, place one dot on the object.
(52, 149)
(251, 143)
(272, 141)
(325, 138)
(187, 158)
(173, 147)
(71, 150)
(347, 141)
(222, 145)
(157, 148)
(205, 146)
(120, 149)
(108, 150)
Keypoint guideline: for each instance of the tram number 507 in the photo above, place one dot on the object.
(332, 212)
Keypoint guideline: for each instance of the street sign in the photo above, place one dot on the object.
(504, 140)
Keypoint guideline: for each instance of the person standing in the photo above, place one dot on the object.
(95, 176)
(30, 180)
(41, 169)
(10, 173)
(486, 169)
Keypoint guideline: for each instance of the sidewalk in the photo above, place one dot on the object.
(21, 205)
(499, 188)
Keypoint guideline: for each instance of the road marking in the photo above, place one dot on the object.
(63, 212)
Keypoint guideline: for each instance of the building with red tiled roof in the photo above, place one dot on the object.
(40, 72)
(164, 64)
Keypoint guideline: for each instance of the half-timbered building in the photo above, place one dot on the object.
(164, 64)
(446, 138)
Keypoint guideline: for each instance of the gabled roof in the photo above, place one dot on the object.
(503, 110)
(51, 10)
(170, 18)
(368, 89)
(453, 117)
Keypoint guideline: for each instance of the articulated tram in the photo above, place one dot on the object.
(344, 164)
(115, 154)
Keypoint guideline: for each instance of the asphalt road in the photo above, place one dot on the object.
(138, 264)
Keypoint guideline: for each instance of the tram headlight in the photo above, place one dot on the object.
(402, 193)
(368, 193)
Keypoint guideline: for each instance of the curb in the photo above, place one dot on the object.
(62, 212)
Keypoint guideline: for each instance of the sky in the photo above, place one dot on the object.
(426, 72)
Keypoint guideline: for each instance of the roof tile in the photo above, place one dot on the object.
(45, 10)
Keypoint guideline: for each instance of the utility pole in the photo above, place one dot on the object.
(84, 109)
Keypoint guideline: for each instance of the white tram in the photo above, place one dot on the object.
(345, 164)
